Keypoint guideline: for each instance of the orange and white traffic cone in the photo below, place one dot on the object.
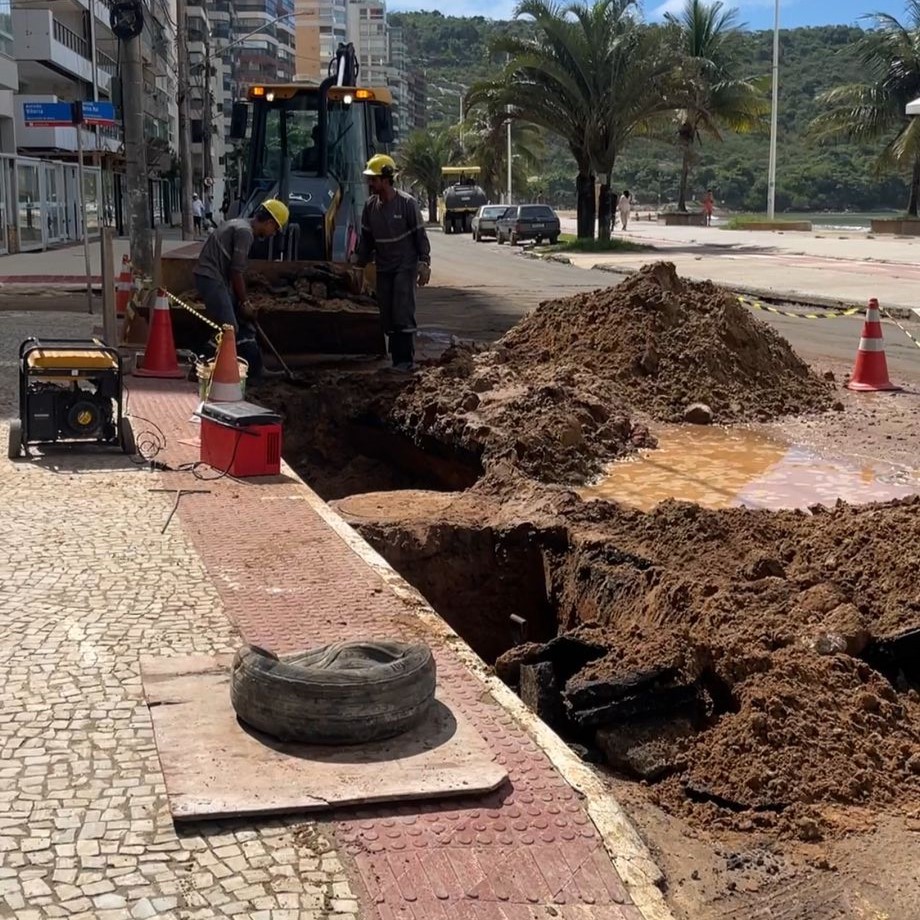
(225, 383)
(160, 355)
(124, 287)
(870, 373)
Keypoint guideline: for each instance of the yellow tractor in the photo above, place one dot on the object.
(306, 145)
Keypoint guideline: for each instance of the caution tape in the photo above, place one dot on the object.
(757, 305)
(906, 332)
(193, 311)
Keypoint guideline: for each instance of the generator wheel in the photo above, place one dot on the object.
(126, 436)
(15, 443)
(344, 693)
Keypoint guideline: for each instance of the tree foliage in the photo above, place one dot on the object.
(810, 176)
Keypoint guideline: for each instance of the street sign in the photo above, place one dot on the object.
(47, 114)
(98, 113)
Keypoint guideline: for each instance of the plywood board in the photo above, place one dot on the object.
(215, 766)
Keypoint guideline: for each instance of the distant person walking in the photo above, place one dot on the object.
(708, 205)
(197, 212)
(624, 206)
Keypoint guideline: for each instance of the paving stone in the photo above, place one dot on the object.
(89, 584)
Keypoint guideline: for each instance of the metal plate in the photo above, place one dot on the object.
(215, 766)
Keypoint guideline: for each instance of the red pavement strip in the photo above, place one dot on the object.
(289, 581)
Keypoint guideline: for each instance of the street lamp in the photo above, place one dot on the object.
(774, 119)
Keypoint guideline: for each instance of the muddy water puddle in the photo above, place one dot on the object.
(728, 467)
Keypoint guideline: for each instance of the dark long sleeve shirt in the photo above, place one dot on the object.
(393, 234)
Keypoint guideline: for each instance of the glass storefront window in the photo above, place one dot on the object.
(91, 194)
(29, 206)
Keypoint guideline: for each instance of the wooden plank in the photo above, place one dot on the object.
(214, 766)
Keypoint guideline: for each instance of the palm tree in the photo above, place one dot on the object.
(709, 93)
(591, 74)
(421, 159)
(874, 110)
(485, 145)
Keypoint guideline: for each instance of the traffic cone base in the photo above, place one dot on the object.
(124, 287)
(225, 375)
(870, 373)
(160, 354)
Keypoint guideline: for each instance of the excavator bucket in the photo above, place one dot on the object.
(305, 308)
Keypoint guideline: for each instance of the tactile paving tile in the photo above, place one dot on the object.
(288, 581)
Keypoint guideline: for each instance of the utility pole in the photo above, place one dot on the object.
(185, 124)
(136, 156)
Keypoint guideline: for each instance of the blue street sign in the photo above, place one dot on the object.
(47, 114)
(98, 113)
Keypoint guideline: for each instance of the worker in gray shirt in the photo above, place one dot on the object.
(392, 233)
(219, 276)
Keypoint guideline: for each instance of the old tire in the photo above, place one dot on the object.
(14, 449)
(344, 693)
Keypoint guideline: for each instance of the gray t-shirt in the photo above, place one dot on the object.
(393, 233)
(226, 250)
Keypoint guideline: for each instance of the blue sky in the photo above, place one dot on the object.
(756, 14)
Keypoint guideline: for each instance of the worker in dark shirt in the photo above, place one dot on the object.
(393, 234)
(219, 276)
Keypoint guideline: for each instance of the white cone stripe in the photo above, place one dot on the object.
(161, 304)
(871, 344)
(873, 316)
(225, 392)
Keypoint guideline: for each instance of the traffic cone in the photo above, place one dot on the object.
(225, 376)
(870, 373)
(124, 287)
(160, 355)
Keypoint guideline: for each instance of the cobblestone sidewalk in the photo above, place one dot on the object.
(87, 582)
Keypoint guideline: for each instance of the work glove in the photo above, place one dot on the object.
(249, 311)
(424, 273)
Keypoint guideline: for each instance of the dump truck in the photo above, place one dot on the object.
(306, 145)
(461, 199)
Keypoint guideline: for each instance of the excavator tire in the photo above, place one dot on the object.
(343, 693)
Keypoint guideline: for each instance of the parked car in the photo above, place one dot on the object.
(485, 219)
(528, 222)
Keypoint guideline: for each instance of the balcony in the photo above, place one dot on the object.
(45, 40)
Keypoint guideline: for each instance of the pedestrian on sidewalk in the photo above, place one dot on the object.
(708, 205)
(393, 235)
(219, 276)
(624, 206)
(197, 212)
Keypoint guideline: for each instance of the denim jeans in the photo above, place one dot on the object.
(220, 306)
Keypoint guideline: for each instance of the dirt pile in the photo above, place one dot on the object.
(557, 394)
(761, 669)
(313, 288)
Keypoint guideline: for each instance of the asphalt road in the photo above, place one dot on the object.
(480, 290)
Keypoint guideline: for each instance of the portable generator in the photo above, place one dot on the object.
(70, 391)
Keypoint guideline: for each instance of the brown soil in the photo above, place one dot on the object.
(556, 394)
(769, 612)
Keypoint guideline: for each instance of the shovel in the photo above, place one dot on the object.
(289, 375)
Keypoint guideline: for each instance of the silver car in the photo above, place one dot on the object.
(485, 220)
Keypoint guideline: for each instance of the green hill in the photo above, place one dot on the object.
(453, 52)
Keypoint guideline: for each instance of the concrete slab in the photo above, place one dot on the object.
(214, 766)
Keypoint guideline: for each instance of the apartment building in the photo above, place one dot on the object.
(64, 51)
(207, 75)
(381, 51)
(320, 27)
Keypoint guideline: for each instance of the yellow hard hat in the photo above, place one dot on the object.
(381, 165)
(278, 210)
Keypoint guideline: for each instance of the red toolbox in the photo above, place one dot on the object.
(241, 439)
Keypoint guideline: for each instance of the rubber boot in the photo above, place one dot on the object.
(402, 349)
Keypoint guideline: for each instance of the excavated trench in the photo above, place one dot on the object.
(757, 668)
